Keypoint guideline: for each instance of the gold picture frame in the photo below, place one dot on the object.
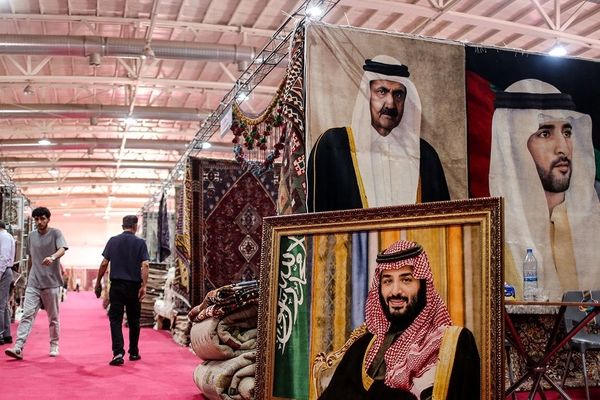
(308, 287)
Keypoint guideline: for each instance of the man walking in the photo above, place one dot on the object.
(128, 258)
(44, 284)
(7, 257)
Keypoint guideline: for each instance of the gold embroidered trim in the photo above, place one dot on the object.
(367, 381)
(445, 362)
(361, 188)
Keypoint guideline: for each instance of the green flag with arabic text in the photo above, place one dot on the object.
(292, 333)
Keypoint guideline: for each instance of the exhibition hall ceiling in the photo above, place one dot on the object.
(120, 88)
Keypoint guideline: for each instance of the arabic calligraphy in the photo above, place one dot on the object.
(292, 284)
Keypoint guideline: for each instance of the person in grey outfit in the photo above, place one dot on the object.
(44, 284)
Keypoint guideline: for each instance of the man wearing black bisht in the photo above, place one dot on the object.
(411, 350)
(380, 159)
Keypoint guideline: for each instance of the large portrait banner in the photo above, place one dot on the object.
(385, 119)
(533, 131)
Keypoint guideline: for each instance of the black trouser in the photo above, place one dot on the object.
(124, 297)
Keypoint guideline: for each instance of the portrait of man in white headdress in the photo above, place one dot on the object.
(542, 162)
(380, 159)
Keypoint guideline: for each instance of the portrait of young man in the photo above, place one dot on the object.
(542, 162)
(411, 350)
(533, 130)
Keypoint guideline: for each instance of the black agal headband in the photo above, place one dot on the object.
(399, 255)
(386, 69)
(536, 101)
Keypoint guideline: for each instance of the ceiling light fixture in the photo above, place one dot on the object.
(206, 145)
(130, 121)
(558, 50)
(314, 11)
(94, 59)
(241, 96)
(67, 214)
(28, 90)
(53, 171)
(44, 141)
(147, 52)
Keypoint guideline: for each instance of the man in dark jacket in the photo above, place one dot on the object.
(128, 258)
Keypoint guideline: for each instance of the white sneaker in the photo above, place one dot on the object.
(15, 352)
(54, 350)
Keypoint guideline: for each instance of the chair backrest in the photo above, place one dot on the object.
(573, 314)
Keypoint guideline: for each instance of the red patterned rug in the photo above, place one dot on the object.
(228, 206)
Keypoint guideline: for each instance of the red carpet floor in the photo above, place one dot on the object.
(575, 394)
(81, 371)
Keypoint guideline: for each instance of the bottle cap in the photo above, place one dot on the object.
(529, 249)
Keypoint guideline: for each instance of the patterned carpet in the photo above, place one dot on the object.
(227, 207)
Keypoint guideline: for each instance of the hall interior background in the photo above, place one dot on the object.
(91, 192)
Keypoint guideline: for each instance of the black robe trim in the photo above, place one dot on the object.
(332, 182)
(346, 382)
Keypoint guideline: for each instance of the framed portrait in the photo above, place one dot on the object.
(316, 272)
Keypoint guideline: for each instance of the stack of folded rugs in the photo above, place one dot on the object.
(223, 335)
(157, 277)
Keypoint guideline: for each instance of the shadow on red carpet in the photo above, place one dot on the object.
(81, 371)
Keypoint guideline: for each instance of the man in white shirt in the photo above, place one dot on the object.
(7, 257)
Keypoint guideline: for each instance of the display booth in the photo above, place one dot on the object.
(367, 119)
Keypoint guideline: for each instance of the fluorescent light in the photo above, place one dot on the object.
(44, 142)
(206, 145)
(558, 51)
(130, 121)
(63, 204)
(67, 214)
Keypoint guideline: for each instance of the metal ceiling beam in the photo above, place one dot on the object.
(84, 196)
(478, 20)
(84, 181)
(99, 111)
(137, 22)
(514, 27)
(19, 128)
(32, 145)
(100, 81)
(86, 46)
(17, 163)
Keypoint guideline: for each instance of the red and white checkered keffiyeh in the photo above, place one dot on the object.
(417, 348)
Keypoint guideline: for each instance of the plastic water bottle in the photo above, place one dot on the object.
(530, 279)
